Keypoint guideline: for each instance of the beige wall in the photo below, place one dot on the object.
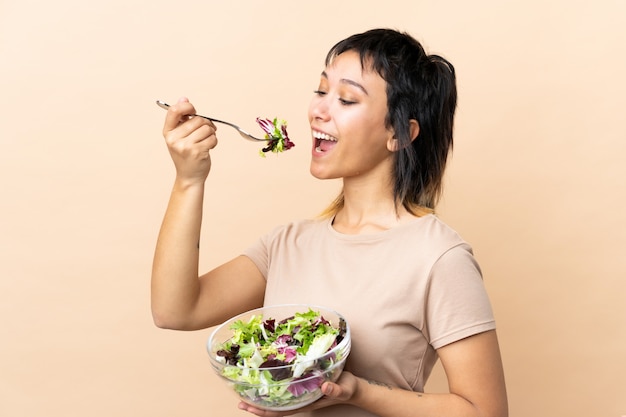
(537, 185)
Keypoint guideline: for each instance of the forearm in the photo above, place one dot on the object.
(175, 285)
(386, 401)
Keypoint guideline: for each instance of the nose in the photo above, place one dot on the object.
(318, 109)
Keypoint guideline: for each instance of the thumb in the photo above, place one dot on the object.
(331, 389)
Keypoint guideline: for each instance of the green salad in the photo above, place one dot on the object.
(276, 135)
(273, 362)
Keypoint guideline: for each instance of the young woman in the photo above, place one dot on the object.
(381, 119)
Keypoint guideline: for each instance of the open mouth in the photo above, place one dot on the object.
(323, 141)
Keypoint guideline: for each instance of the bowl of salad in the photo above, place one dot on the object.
(277, 357)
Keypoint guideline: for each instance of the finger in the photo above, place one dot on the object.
(178, 113)
(257, 411)
(196, 128)
(333, 391)
(197, 146)
(204, 135)
(328, 388)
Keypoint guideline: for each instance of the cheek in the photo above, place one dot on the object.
(375, 132)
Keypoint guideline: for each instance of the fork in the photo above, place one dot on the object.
(242, 132)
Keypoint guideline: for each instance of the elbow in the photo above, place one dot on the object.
(167, 321)
(501, 409)
(162, 322)
(166, 315)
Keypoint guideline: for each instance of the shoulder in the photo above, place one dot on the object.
(440, 230)
(433, 236)
(295, 230)
(280, 240)
(451, 248)
(442, 250)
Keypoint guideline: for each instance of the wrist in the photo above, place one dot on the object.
(185, 184)
(360, 391)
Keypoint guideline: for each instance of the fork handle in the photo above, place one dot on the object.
(166, 106)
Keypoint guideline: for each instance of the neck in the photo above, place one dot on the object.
(368, 208)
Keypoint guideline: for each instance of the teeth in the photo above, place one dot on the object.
(323, 136)
(318, 149)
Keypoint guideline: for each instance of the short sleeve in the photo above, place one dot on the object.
(457, 304)
(258, 253)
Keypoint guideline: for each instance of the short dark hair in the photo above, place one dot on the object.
(420, 87)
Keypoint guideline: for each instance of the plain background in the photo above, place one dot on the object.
(536, 184)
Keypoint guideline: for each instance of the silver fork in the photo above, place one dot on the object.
(242, 132)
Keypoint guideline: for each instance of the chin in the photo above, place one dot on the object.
(320, 174)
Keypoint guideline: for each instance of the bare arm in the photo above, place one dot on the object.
(475, 377)
(476, 385)
(180, 298)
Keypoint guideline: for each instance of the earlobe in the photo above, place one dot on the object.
(392, 145)
(414, 129)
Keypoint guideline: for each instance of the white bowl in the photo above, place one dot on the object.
(279, 385)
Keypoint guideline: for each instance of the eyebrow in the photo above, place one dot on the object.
(349, 82)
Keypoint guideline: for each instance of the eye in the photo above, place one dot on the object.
(320, 93)
(346, 102)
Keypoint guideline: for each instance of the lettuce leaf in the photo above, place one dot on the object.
(276, 134)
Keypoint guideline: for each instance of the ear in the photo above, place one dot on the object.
(414, 129)
(393, 145)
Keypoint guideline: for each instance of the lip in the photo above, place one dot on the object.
(317, 132)
(316, 142)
